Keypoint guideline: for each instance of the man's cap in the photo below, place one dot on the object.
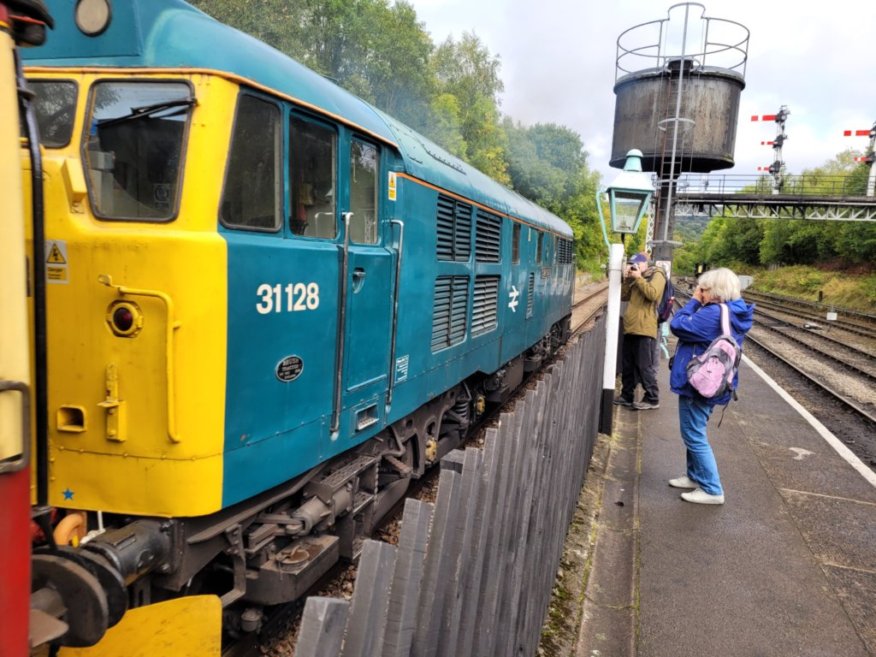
(639, 257)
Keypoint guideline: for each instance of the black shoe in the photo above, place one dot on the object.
(646, 405)
(620, 401)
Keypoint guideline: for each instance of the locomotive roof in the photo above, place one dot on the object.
(173, 34)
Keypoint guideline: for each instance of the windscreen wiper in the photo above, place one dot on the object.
(183, 104)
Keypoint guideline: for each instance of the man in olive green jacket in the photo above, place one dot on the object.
(643, 288)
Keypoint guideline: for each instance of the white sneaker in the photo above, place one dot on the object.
(699, 496)
(683, 482)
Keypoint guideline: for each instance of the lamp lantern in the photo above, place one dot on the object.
(629, 195)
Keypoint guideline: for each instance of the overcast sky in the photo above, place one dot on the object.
(558, 66)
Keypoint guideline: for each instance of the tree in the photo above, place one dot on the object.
(376, 51)
(468, 71)
(544, 161)
(445, 125)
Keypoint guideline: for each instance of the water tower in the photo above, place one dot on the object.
(677, 85)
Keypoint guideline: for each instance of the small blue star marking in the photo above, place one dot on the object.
(68, 494)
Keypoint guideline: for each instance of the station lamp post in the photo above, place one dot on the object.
(629, 197)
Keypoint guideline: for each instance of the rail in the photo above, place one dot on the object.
(816, 381)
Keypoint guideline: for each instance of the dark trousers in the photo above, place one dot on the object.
(639, 366)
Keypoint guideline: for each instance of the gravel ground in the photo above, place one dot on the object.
(832, 374)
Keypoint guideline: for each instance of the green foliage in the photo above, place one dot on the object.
(544, 161)
(837, 288)
(857, 241)
(445, 125)
(373, 49)
(467, 70)
(787, 241)
(579, 210)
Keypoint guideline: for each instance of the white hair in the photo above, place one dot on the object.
(721, 283)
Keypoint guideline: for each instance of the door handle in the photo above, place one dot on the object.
(358, 279)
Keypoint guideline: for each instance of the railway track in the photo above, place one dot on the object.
(280, 628)
(851, 321)
(587, 306)
(859, 362)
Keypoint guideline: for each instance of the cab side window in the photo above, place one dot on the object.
(135, 148)
(363, 192)
(252, 198)
(313, 154)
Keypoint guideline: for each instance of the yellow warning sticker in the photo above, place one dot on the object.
(393, 189)
(57, 262)
(55, 256)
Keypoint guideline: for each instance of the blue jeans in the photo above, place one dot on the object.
(701, 466)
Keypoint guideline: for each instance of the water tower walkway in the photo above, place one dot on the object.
(785, 568)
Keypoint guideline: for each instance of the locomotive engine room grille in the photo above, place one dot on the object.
(485, 307)
(454, 230)
(564, 252)
(488, 238)
(450, 309)
(530, 295)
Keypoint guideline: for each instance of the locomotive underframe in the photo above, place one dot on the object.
(271, 549)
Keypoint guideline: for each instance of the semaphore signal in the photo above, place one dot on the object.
(777, 168)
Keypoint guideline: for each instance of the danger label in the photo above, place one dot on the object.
(56, 262)
(56, 274)
(56, 256)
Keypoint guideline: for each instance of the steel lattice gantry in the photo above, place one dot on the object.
(779, 206)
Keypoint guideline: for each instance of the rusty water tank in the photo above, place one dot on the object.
(709, 111)
(706, 58)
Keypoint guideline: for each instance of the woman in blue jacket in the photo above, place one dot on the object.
(696, 325)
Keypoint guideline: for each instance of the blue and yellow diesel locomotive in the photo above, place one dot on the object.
(270, 305)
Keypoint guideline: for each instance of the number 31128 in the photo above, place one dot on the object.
(291, 297)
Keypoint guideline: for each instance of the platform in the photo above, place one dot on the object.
(785, 568)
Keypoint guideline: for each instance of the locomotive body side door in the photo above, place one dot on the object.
(367, 267)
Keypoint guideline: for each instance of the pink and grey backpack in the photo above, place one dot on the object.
(711, 374)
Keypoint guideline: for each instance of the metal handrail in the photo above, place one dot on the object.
(804, 185)
(342, 325)
(656, 54)
(21, 460)
(395, 295)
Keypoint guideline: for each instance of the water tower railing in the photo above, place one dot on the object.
(656, 55)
